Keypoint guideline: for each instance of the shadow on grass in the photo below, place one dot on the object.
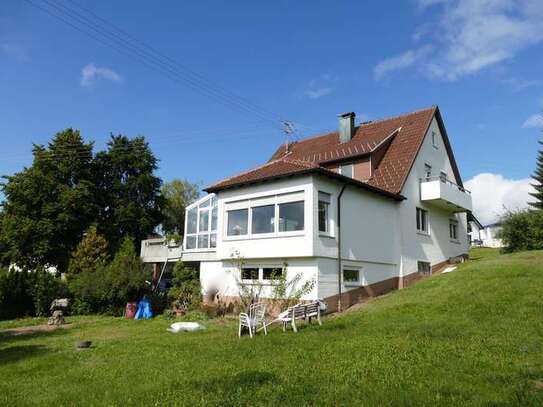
(27, 333)
(16, 353)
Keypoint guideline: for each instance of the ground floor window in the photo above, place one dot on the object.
(422, 220)
(261, 274)
(424, 267)
(453, 230)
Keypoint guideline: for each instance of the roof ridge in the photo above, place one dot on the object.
(433, 107)
(364, 124)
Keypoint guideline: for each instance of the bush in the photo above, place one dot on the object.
(522, 230)
(109, 287)
(28, 293)
(185, 293)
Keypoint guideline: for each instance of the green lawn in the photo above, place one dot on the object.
(470, 337)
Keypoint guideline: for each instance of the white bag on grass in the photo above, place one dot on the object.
(184, 326)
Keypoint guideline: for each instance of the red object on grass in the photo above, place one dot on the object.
(130, 311)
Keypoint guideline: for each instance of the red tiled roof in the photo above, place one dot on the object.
(405, 133)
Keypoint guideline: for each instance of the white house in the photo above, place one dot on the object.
(386, 194)
(489, 235)
(474, 230)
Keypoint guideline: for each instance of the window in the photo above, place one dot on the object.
(453, 230)
(237, 222)
(271, 273)
(250, 273)
(427, 172)
(324, 205)
(443, 176)
(263, 219)
(434, 139)
(192, 220)
(422, 220)
(347, 170)
(291, 216)
(261, 274)
(424, 267)
(351, 276)
(201, 231)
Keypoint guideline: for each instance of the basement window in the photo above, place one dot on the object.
(351, 276)
(424, 267)
(262, 275)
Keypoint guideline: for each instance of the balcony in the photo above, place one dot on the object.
(158, 250)
(445, 194)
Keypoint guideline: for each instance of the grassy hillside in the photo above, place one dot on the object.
(471, 337)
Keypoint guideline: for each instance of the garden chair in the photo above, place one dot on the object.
(254, 319)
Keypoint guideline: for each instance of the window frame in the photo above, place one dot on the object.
(266, 200)
(260, 274)
(358, 270)
(453, 226)
(425, 230)
(427, 172)
(426, 264)
(321, 198)
(434, 141)
(207, 204)
(350, 165)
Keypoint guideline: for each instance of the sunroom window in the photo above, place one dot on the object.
(237, 222)
(291, 216)
(263, 219)
(201, 227)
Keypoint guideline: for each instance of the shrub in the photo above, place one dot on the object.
(522, 230)
(90, 254)
(15, 297)
(109, 287)
(28, 293)
(185, 293)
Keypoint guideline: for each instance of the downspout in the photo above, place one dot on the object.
(339, 273)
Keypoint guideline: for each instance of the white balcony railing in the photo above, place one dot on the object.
(445, 194)
(158, 250)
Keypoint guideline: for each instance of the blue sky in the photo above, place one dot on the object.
(306, 61)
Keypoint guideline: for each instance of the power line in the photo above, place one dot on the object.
(134, 51)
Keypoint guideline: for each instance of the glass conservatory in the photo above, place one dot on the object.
(201, 224)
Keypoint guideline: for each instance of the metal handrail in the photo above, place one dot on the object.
(445, 181)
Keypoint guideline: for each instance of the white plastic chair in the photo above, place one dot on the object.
(251, 321)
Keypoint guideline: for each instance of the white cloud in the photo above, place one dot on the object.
(472, 35)
(90, 74)
(493, 194)
(519, 84)
(322, 86)
(534, 121)
(401, 61)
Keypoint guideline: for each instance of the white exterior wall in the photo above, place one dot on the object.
(488, 236)
(225, 275)
(436, 246)
(298, 244)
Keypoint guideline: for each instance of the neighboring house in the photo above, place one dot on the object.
(474, 230)
(385, 194)
(489, 235)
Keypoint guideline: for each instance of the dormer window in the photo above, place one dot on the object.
(346, 170)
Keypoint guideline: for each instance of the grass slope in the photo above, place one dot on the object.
(471, 337)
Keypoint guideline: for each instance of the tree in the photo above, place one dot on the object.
(178, 194)
(49, 205)
(538, 178)
(128, 191)
(90, 254)
(109, 287)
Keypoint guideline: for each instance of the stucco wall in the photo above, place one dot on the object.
(298, 245)
(435, 247)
